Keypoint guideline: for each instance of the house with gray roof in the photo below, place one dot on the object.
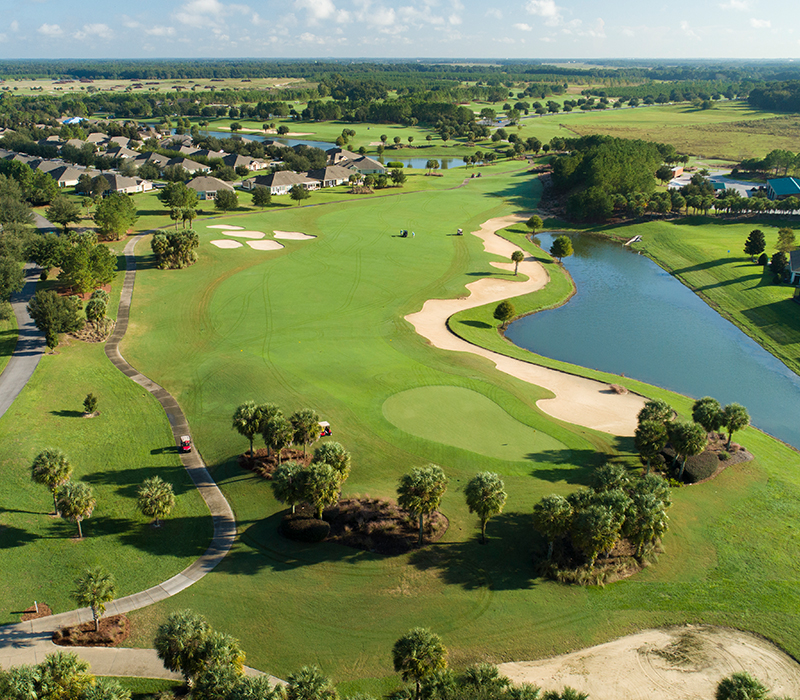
(281, 182)
(783, 187)
(331, 176)
(127, 185)
(207, 187)
(192, 166)
(364, 165)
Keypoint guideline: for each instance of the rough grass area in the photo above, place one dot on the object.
(8, 334)
(148, 688)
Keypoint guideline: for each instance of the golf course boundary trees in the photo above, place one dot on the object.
(175, 249)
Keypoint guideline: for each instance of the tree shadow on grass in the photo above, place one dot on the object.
(503, 563)
(194, 534)
(578, 465)
(66, 413)
(128, 481)
(11, 537)
(262, 547)
(146, 262)
(475, 324)
(707, 265)
(767, 317)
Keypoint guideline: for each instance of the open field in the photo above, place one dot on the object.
(317, 324)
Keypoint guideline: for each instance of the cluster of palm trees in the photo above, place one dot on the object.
(75, 501)
(657, 428)
(267, 419)
(594, 520)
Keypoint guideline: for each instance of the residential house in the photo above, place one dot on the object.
(783, 187)
(67, 175)
(794, 267)
(127, 185)
(331, 176)
(281, 182)
(122, 152)
(152, 157)
(336, 155)
(207, 187)
(191, 166)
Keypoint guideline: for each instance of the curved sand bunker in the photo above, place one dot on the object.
(245, 234)
(226, 244)
(292, 235)
(226, 227)
(678, 663)
(265, 245)
(578, 400)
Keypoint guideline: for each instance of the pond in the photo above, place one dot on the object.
(324, 145)
(631, 317)
(421, 163)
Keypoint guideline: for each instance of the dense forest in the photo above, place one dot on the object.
(779, 97)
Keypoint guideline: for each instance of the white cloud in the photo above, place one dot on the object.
(3, 38)
(14, 26)
(100, 31)
(317, 9)
(454, 19)
(494, 12)
(523, 27)
(760, 23)
(688, 31)
(208, 13)
(158, 30)
(308, 38)
(546, 9)
(740, 5)
(50, 30)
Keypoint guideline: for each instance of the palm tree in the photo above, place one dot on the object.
(95, 587)
(420, 492)
(334, 454)
(322, 485)
(418, 654)
(288, 484)
(645, 521)
(247, 421)
(180, 643)
(741, 686)
(650, 438)
(306, 427)
(486, 496)
(51, 468)
(75, 501)
(688, 440)
(708, 413)
(517, 257)
(309, 684)
(735, 417)
(156, 498)
(551, 517)
(656, 410)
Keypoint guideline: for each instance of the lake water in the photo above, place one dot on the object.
(630, 316)
(420, 163)
(324, 145)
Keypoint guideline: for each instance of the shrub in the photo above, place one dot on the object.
(724, 456)
(700, 467)
(394, 164)
(301, 528)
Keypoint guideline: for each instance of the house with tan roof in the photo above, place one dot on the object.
(331, 176)
(127, 185)
(207, 187)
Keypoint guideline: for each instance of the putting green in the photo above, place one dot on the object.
(466, 419)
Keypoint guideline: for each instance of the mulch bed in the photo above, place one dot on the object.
(113, 631)
(265, 463)
(31, 614)
(378, 525)
(717, 449)
(95, 333)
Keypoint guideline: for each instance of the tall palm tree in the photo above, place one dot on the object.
(517, 257)
(486, 496)
(418, 654)
(156, 498)
(75, 501)
(95, 587)
(420, 492)
(247, 420)
(51, 468)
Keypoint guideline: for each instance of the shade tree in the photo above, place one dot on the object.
(708, 413)
(305, 424)
(180, 643)
(321, 486)
(334, 454)
(755, 244)
(115, 214)
(63, 211)
(561, 247)
(517, 257)
(504, 312)
(288, 484)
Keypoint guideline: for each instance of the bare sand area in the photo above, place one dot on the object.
(245, 234)
(226, 244)
(676, 663)
(577, 400)
(225, 227)
(293, 235)
(265, 245)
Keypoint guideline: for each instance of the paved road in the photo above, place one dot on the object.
(29, 642)
(30, 342)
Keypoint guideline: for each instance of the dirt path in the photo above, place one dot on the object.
(677, 663)
(577, 400)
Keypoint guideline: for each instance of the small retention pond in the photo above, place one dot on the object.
(631, 317)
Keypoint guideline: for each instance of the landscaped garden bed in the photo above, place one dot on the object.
(113, 631)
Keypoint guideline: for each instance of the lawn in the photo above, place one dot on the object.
(8, 334)
(320, 323)
(128, 442)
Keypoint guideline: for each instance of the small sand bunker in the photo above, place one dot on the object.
(226, 244)
(265, 245)
(225, 227)
(677, 663)
(293, 235)
(245, 234)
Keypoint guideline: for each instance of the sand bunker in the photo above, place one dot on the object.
(678, 663)
(245, 234)
(226, 244)
(265, 245)
(578, 400)
(293, 235)
(227, 228)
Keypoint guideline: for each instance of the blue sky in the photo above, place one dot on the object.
(401, 29)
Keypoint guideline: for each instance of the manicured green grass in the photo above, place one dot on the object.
(145, 688)
(128, 442)
(706, 255)
(320, 323)
(458, 417)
